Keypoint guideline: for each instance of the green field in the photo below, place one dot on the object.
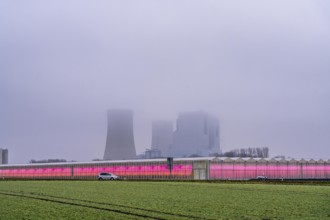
(161, 200)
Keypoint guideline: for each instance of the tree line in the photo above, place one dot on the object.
(48, 161)
(262, 152)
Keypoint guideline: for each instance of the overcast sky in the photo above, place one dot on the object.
(262, 67)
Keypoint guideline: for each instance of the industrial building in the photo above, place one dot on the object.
(162, 135)
(3, 156)
(202, 168)
(120, 137)
(197, 133)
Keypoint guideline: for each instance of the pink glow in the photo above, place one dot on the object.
(90, 171)
(217, 171)
(241, 171)
(36, 172)
(135, 170)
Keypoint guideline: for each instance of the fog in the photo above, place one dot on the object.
(262, 67)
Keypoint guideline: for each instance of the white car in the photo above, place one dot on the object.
(108, 176)
(262, 178)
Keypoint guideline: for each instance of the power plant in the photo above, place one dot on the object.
(162, 136)
(197, 133)
(120, 136)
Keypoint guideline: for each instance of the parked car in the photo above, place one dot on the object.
(262, 178)
(108, 176)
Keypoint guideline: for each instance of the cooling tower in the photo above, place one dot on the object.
(120, 137)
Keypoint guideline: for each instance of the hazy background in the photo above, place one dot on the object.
(262, 67)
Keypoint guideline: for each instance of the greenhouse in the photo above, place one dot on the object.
(201, 168)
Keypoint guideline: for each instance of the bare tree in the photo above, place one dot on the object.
(248, 152)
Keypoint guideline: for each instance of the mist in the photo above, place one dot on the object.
(262, 67)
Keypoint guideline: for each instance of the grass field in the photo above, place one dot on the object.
(161, 200)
